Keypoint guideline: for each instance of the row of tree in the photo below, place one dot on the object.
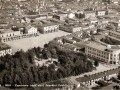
(20, 68)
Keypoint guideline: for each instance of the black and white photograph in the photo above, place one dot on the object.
(59, 44)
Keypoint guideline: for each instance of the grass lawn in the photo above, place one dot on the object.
(31, 42)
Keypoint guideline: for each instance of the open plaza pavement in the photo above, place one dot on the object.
(27, 43)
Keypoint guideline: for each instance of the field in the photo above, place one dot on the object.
(31, 42)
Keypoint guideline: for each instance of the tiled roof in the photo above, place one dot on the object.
(98, 75)
(6, 31)
(96, 45)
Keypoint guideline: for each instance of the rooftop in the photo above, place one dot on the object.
(115, 46)
(98, 75)
(96, 45)
(4, 46)
(89, 12)
(6, 31)
(114, 32)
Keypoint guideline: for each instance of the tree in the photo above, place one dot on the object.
(119, 75)
(45, 45)
(116, 87)
(53, 53)
(46, 54)
(96, 63)
(19, 68)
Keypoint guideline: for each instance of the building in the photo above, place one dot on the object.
(25, 20)
(89, 14)
(90, 80)
(107, 54)
(5, 49)
(60, 17)
(69, 47)
(48, 28)
(93, 20)
(79, 14)
(19, 27)
(77, 39)
(85, 27)
(114, 34)
(115, 1)
(71, 21)
(59, 40)
(78, 34)
(116, 24)
(103, 21)
(66, 40)
(101, 12)
(31, 30)
(71, 28)
(65, 46)
(106, 1)
(8, 35)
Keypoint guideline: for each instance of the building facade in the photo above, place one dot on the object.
(114, 34)
(31, 30)
(60, 17)
(101, 12)
(48, 28)
(8, 35)
(90, 80)
(89, 14)
(70, 29)
(108, 54)
(5, 49)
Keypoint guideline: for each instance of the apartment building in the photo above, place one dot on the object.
(107, 54)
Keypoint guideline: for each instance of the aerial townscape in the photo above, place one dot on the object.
(59, 44)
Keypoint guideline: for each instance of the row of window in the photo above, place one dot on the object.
(103, 57)
(9, 35)
(99, 57)
(92, 50)
(2, 53)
